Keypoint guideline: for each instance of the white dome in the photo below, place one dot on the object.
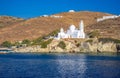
(71, 11)
(72, 27)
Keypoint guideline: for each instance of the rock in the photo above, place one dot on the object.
(71, 46)
(118, 47)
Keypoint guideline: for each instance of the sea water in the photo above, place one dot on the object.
(28, 65)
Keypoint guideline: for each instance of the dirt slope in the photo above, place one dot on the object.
(8, 20)
(107, 28)
(36, 27)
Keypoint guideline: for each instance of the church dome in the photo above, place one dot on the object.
(72, 27)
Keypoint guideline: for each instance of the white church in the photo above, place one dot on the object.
(72, 32)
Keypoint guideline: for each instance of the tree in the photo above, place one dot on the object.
(6, 44)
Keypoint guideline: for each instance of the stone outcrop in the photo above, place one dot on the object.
(100, 47)
(118, 47)
(73, 45)
(31, 49)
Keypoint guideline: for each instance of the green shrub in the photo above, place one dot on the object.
(6, 44)
(26, 41)
(40, 40)
(78, 44)
(62, 45)
(54, 33)
(94, 34)
(90, 41)
(37, 41)
(16, 44)
(49, 41)
(45, 43)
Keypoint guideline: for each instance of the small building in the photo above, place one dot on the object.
(72, 32)
(107, 17)
(71, 11)
(56, 16)
(44, 15)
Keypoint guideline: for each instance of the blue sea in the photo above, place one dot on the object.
(28, 65)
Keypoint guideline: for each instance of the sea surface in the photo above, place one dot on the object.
(28, 65)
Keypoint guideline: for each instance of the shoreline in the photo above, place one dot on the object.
(68, 52)
(71, 46)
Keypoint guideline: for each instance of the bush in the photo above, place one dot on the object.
(40, 40)
(26, 41)
(62, 45)
(45, 43)
(37, 41)
(17, 44)
(90, 41)
(94, 34)
(6, 44)
(54, 33)
(78, 44)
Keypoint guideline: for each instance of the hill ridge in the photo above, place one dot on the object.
(39, 26)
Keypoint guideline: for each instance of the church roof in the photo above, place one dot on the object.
(72, 27)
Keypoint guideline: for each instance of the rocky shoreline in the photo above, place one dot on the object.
(72, 46)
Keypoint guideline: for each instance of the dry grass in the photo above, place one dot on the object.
(36, 27)
(107, 28)
(8, 20)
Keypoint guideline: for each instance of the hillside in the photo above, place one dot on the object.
(108, 28)
(8, 20)
(36, 27)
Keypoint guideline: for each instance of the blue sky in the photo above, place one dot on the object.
(34, 8)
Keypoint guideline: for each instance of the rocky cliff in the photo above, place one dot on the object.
(73, 46)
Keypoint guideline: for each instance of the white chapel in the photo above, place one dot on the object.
(72, 32)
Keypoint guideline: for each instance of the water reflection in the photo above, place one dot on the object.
(72, 67)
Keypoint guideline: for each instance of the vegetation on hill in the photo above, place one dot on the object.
(17, 44)
(54, 33)
(45, 43)
(6, 44)
(62, 44)
(26, 41)
(39, 41)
